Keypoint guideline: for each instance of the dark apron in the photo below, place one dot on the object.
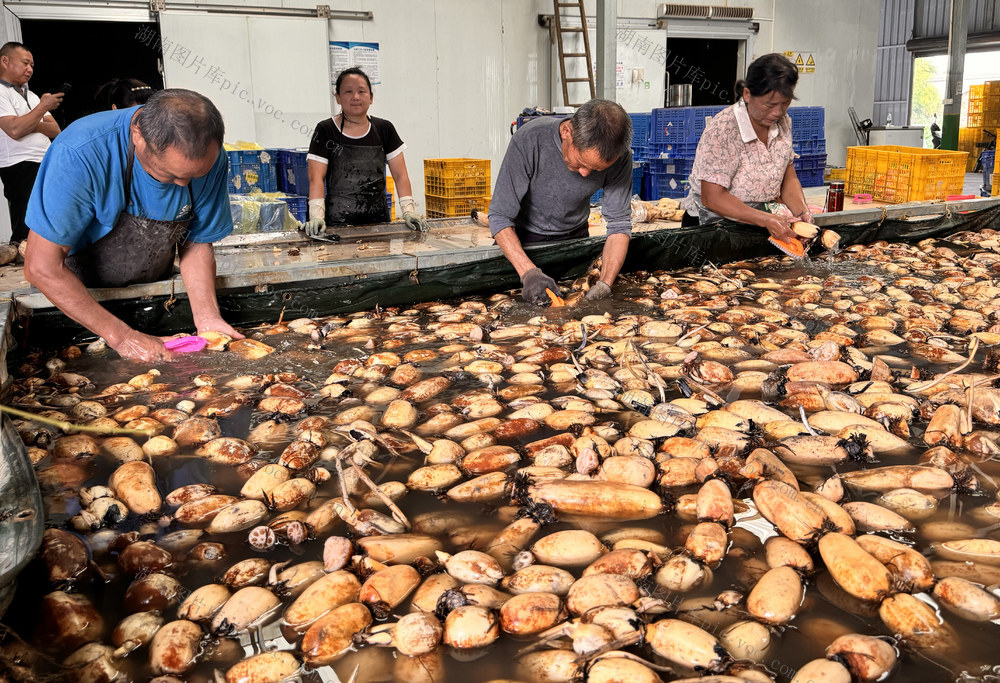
(137, 249)
(533, 237)
(355, 185)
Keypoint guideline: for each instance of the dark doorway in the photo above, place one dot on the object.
(87, 54)
(709, 65)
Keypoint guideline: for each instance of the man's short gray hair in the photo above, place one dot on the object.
(602, 125)
(183, 119)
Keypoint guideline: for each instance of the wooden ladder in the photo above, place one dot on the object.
(563, 56)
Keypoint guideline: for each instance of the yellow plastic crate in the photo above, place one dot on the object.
(450, 169)
(976, 91)
(904, 174)
(457, 187)
(975, 106)
(991, 103)
(448, 207)
(991, 88)
(974, 120)
(995, 185)
(991, 119)
(838, 173)
(390, 189)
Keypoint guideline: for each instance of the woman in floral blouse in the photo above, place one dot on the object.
(744, 157)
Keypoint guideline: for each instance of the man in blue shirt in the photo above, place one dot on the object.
(117, 195)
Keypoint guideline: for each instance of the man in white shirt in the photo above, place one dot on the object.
(25, 130)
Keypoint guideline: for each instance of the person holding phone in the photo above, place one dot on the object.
(26, 127)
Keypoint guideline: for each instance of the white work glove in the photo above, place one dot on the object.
(412, 220)
(316, 225)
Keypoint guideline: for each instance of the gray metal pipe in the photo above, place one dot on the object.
(958, 35)
(607, 48)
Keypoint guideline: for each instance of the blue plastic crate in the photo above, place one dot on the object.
(596, 197)
(287, 157)
(805, 147)
(293, 171)
(671, 166)
(680, 124)
(810, 178)
(638, 171)
(298, 206)
(807, 122)
(293, 178)
(810, 162)
(247, 178)
(640, 135)
(388, 202)
(671, 150)
(656, 186)
(252, 156)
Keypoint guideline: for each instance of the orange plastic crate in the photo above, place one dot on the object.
(448, 207)
(975, 106)
(457, 187)
(976, 91)
(450, 169)
(904, 174)
(974, 120)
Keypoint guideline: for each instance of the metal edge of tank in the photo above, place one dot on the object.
(22, 517)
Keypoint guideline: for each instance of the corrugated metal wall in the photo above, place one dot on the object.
(932, 17)
(902, 20)
(894, 65)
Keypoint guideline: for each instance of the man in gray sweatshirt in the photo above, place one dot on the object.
(543, 190)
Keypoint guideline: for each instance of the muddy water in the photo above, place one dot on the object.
(821, 619)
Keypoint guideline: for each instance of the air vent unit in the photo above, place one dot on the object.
(672, 11)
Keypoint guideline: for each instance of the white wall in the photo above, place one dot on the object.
(10, 29)
(454, 73)
(842, 37)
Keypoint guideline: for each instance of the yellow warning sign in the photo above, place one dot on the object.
(810, 61)
(788, 53)
(798, 60)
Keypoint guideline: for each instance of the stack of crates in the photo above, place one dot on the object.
(456, 187)
(293, 180)
(673, 140)
(252, 170)
(809, 143)
(991, 104)
(969, 140)
(982, 112)
(904, 174)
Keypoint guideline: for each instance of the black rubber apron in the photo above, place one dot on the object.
(527, 237)
(355, 185)
(137, 250)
